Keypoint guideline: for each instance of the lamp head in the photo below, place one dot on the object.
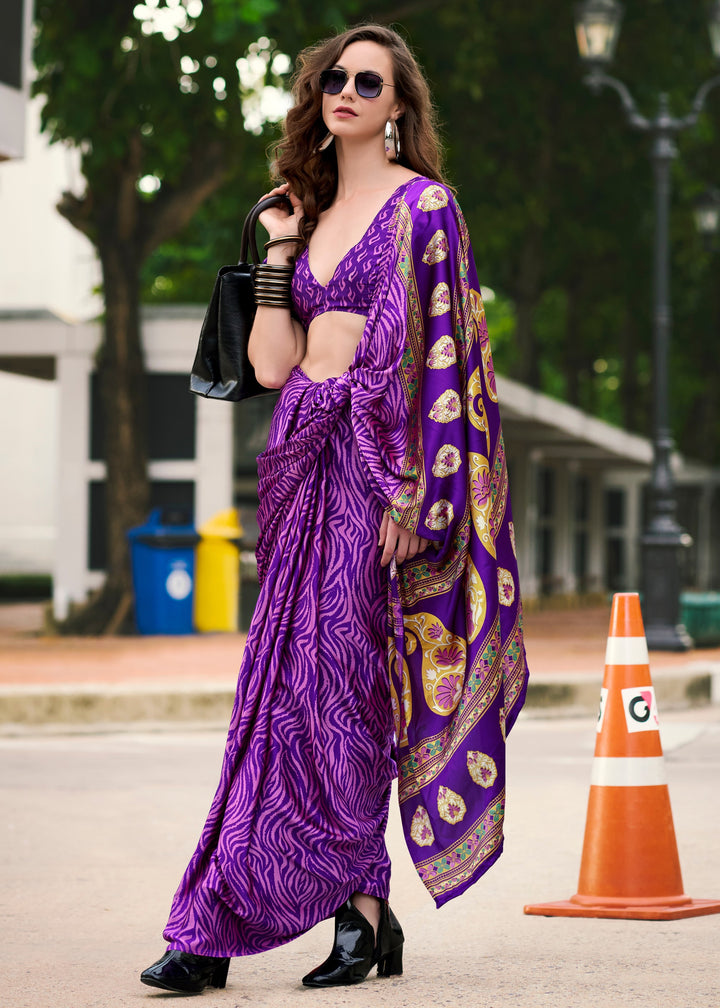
(706, 210)
(714, 28)
(597, 27)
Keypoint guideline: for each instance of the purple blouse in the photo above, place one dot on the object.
(354, 284)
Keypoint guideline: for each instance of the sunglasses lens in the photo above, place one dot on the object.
(368, 84)
(333, 81)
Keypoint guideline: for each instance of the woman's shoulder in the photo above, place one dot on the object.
(425, 195)
(431, 204)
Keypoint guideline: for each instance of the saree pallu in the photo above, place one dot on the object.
(425, 412)
(298, 821)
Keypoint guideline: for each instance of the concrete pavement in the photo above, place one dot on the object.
(163, 680)
(97, 827)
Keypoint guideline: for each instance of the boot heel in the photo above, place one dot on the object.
(391, 964)
(219, 977)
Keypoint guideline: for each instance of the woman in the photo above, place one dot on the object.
(387, 637)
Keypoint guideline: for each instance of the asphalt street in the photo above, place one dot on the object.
(97, 828)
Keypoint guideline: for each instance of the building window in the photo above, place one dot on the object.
(251, 424)
(545, 542)
(170, 428)
(616, 538)
(11, 44)
(581, 533)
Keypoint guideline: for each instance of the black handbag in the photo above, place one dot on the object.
(221, 369)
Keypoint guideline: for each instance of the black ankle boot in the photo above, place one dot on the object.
(390, 940)
(186, 973)
(356, 951)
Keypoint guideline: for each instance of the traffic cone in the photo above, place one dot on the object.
(630, 867)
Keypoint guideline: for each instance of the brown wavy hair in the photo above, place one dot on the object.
(313, 176)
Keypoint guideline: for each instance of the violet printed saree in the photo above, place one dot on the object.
(338, 645)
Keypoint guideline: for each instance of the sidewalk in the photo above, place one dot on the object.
(119, 680)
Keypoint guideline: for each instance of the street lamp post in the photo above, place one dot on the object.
(597, 25)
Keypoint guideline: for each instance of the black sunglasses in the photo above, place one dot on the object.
(368, 84)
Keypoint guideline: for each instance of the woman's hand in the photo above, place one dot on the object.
(398, 542)
(276, 220)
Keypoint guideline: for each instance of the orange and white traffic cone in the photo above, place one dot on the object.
(630, 867)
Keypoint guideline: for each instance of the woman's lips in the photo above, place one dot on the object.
(343, 112)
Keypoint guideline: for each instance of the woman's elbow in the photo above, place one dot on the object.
(270, 379)
(268, 373)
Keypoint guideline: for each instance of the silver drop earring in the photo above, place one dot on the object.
(392, 140)
(325, 142)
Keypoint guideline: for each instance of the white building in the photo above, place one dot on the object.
(191, 441)
(577, 482)
(49, 269)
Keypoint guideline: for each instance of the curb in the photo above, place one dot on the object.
(81, 705)
(696, 685)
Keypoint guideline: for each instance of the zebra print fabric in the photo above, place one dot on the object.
(298, 821)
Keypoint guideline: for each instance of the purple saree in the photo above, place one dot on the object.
(350, 668)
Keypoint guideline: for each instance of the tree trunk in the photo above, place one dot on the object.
(121, 371)
(121, 374)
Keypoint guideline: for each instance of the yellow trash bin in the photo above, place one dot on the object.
(217, 573)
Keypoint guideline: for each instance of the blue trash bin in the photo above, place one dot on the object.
(162, 557)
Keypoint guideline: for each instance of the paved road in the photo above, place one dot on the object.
(97, 828)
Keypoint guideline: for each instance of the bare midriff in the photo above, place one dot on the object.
(332, 340)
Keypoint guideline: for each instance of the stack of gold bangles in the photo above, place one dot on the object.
(272, 283)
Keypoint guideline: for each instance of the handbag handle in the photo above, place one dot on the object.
(248, 232)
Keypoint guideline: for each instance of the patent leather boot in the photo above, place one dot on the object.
(185, 973)
(390, 940)
(355, 950)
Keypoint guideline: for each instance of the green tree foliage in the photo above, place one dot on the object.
(557, 190)
(150, 96)
(558, 193)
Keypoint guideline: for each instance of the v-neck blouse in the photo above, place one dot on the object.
(352, 286)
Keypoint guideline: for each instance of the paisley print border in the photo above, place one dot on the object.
(440, 515)
(440, 300)
(447, 461)
(460, 861)
(421, 829)
(446, 408)
(433, 197)
(482, 768)
(442, 353)
(451, 806)
(436, 249)
(494, 673)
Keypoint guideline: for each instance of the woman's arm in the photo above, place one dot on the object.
(436, 313)
(277, 341)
